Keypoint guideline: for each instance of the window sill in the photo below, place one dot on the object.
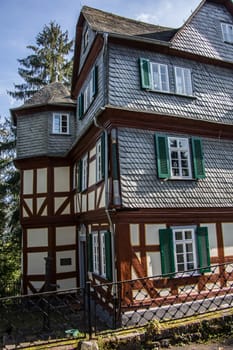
(60, 134)
(172, 93)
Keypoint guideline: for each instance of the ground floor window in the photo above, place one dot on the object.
(184, 250)
(100, 254)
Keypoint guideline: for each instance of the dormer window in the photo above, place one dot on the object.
(227, 32)
(60, 123)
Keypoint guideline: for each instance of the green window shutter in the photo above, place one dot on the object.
(145, 73)
(90, 253)
(95, 81)
(103, 155)
(163, 163)
(80, 106)
(108, 255)
(203, 249)
(167, 251)
(80, 166)
(198, 160)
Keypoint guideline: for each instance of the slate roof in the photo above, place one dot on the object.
(141, 188)
(54, 93)
(101, 21)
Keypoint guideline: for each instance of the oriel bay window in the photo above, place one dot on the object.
(179, 157)
(100, 254)
(184, 250)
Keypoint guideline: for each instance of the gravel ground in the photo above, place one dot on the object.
(226, 344)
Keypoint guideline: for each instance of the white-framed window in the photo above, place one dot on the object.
(179, 156)
(60, 123)
(84, 172)
(183, 81)
(98, 253)
(87, 96)
(95, 252)
(185, 251)
(227, 32)
(98, 161)
(102, 254)
(160, 79)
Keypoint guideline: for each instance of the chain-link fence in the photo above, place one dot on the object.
(107, 307)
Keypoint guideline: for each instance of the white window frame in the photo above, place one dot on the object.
(227, 32)
(183, 242)
(99, 253)
(98, 161)
(84, 172)
(58, 120)
(183, 81)
(160, 81)
(102, 254)
(88, 94)
(180, 162)
(95, 252)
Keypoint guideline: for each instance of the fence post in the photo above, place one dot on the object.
(88, 292)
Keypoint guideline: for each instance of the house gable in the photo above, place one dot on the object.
(202, 33)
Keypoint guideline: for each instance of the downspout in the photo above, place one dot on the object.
(106, 180)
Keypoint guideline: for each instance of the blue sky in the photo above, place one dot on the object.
(22, 20)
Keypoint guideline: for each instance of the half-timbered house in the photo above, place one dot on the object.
(132, 174)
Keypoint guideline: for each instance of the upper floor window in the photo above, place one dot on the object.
(183, 81)
(100, 158)
(179, 157)
(85, 39)
(60, 123)
(87, 96)
(227, 32)
(83, 173)
(160, 79)
(175, 155)
(155, 77)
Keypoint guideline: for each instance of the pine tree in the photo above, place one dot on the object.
(49, 62)
(10, 230)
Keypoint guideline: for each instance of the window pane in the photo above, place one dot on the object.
(188, 234)
(155, 70)
(180, 258)
(178, 235)
(189, 257)
(56, 123)
(180, 268)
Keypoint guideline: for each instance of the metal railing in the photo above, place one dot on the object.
(99, 308)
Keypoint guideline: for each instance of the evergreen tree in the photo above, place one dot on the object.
(49, 62)
(10, 230)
